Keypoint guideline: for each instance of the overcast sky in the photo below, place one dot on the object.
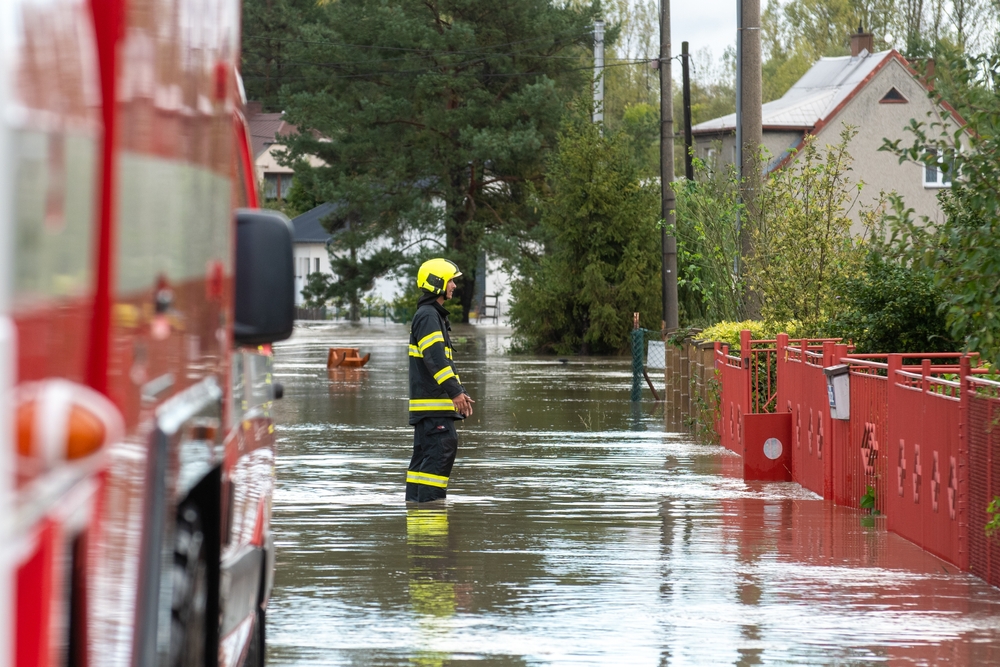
(702, 23)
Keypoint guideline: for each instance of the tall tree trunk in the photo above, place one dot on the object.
(455, 238)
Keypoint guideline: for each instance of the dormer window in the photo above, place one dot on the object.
(893, 97)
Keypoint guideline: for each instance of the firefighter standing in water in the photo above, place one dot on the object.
(437, 397)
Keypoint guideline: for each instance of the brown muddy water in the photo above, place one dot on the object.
(576, 532)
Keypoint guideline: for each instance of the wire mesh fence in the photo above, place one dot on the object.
(648, 363)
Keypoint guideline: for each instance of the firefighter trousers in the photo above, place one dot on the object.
(435, 445)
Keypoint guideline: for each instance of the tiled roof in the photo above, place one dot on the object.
(308, 227)
(265, 128)
(813, 97)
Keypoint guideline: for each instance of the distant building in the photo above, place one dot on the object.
(311, 241)
(266, 133)
(878, 93)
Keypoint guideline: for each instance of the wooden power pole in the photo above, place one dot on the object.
(749, 132)
(668, 242)
(686, 91)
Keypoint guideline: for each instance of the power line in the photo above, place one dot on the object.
(438, 70)
(410, 49)
(484, 58)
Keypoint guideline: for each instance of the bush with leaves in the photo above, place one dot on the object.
(891, 307)
(602, 248)
(708, 290)
(729, 332)
(802, 240)
(961, 253)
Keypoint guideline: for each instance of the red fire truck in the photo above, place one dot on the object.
(139, 293)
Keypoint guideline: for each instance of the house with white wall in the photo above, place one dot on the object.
(311, 239)
(877, 93)
(311, 242)
(311, 252)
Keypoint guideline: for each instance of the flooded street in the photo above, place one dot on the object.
(576, 532)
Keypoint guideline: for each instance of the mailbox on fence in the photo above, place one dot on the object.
(838, 389)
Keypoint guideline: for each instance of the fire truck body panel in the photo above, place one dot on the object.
(129, 157)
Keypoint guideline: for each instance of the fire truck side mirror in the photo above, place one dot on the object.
(265, 277)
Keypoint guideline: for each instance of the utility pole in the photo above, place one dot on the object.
(668, 243)
(686, 83)
(749, 131)
(598, 71)
(738, 158)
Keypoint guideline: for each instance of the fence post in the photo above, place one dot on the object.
(668, 395)
(962, 501)
(828, 353)
(718, 351)
(685, 368)
(638, 340)
(748, 370)
(781, 356)
(675, 389)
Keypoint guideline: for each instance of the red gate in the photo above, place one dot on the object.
(802, 392)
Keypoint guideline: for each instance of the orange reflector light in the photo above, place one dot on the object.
(58, 420)
(85, 433)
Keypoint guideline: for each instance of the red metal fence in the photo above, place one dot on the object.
(734, 399)
(921, 445)
(860, 460)
(802, 392)
(926, 499)
(982, 424)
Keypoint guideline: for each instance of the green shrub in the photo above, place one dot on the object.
(892, 307)
(729, 332)
(602, 249)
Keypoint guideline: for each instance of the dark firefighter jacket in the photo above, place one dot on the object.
(433, 380)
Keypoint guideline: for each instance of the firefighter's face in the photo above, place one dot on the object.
(449, 289)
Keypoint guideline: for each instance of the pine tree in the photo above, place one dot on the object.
(433, 118)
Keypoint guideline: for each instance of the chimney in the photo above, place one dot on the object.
(862, 41)
(253, 108)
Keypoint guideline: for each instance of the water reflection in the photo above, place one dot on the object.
(432, 583)
(576, 532)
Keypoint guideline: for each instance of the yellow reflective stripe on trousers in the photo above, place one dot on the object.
(444, 374)
(427, 404)
(415, 352)
(430, 339)
(414, 477)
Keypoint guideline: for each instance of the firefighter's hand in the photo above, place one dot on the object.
(463, 405)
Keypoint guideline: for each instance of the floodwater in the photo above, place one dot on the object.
(576, 532)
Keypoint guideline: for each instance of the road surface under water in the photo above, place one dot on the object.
(576, 531)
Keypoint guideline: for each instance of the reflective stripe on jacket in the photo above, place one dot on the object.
(433, 378)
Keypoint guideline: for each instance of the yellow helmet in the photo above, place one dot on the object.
(434, 274)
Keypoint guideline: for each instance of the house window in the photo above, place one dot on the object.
(937, 174)
(316, 260)
(276, 186)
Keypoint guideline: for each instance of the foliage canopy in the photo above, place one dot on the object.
(602, 248)
(962, 252)
(433, 119)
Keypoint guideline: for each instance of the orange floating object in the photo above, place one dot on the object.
(345, 357)
(355, 361)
